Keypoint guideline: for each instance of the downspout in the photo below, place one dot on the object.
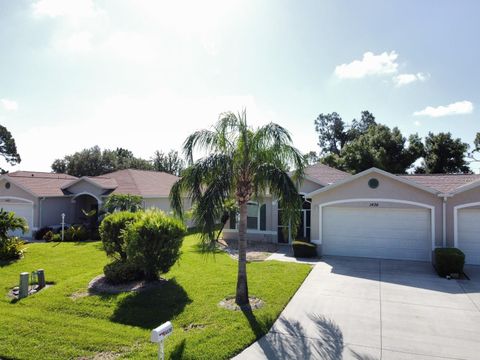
(40, 207)
(444, 223)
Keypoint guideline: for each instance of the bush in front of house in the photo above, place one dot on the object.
(75, 233)
(302, 249)
(449, 261)
(118, 272)
(40, 233)
(111, 233)
(153, 242)
(11, 247)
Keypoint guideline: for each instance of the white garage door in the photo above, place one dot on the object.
(21, 210)
(386, 233)
(469, 234)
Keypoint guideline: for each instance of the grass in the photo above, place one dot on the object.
(58, 323)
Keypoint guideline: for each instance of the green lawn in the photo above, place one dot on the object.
(54, 325)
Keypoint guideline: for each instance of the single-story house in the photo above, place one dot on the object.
(376, 214)
(41, 198)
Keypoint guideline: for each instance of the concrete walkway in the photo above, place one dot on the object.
(351, 308)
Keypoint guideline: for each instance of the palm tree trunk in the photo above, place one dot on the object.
(241, 297)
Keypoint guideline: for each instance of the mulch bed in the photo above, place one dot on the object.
(229, 303)
(99, 284)
(256, 251)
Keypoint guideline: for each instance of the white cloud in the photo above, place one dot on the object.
(371, 64)
(457, 108)
(405, 79)
(9, 105)
(417, 123)
(74, 9)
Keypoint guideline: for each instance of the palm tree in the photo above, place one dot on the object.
(242, 163)
(9, 222)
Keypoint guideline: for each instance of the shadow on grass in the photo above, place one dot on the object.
(258, 328)
(4, 263)
(178, 351)
(148, 309)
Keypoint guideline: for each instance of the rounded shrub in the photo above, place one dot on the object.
(449, 261)
(11, 248)
(302, 249)
(119, 272)
(40, 233)
(111, 233)
(153, 242)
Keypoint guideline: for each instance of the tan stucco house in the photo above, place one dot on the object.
(42, 197)
(370, 214)
(377, 214)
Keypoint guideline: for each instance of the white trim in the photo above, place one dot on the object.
(251, 231)
(16, 198)
(455, 219)
(444, 222)
(88, 180)
(466, 187)
(100, 202)
(344, 201)
(369, 171)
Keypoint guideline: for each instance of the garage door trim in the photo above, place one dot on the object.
(346, 201)
(455, 219)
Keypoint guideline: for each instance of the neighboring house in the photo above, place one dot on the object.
(41, 197)
(376, 214)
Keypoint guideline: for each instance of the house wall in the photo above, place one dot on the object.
(85, 187)
(308, 186)
(52, 209)
(387, 189)
(466, 197)
(17, 192)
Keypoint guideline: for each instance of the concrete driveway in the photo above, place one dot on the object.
(351, 308)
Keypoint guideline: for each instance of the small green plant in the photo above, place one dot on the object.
(449, 261)
(11, 248)
(302, 249)
(75, 233)
(40, 233)
(48, 236)
(118, 272)
(153, 242)
(111, 233)
(122, 202)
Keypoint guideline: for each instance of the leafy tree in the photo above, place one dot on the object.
(476, 142)
(122, 202)
(8, 148)
(170, 163)
(382, 148)
(311, 158)
(332, 135)
(444, 155)
(242, 164)
(95, 162)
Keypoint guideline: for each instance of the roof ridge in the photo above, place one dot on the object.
(437, 174)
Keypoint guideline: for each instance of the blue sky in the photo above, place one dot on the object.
(145, 74)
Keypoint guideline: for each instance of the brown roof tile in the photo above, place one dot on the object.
(141, 182)
(442, 182)
(41, 183)
(324, 174)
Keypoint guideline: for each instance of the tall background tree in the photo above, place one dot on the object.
(170, 163)
(364, 143)
(242, 164)
(444, 154)
(8, 148)
(93, 162)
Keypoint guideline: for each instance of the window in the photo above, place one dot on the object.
(252, 216)
(256, 217)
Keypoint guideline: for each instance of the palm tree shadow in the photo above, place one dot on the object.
(151, 308)
(258, 328)
(288, 339)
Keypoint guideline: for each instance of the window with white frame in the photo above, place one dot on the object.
(256, 217)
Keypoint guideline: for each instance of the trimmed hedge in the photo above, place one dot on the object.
(449, 261)
(302, 249)
(111, 233)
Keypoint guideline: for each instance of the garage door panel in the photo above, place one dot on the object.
(380, 233)
(469, 234)
(21, 210)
